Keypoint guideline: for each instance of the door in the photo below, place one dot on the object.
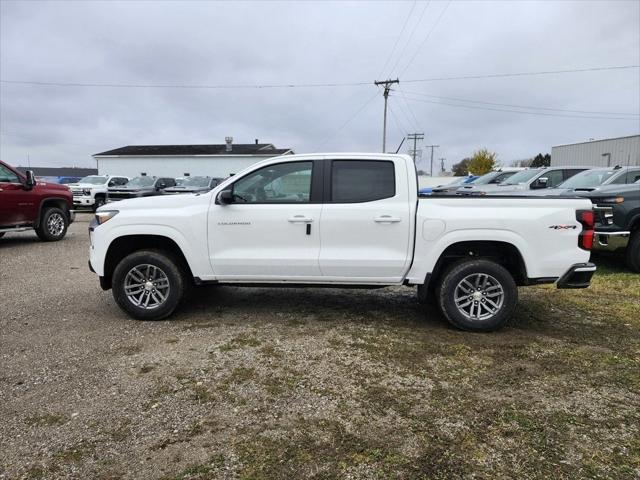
(16, 204)
(270, 230)
(365, 223)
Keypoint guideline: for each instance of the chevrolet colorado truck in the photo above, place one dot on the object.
(27, 204)
(341, 220)
(91, 191)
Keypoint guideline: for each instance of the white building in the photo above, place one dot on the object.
(598, 153)
(183, 160)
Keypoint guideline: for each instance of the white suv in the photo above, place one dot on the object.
(91, 191)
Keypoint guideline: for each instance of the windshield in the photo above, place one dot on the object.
(141, 182)
(457, 181)
(195, 182)
(588, 179)
(486, 178)
(93, 180)
(520, 177)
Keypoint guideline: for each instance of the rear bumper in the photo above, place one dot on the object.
(578, 276)
(610, 241)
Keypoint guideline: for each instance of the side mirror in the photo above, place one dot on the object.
(225, 197)
(162, 185)
(31, 180)
(540, 183)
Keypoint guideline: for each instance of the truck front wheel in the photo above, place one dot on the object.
(148, 284)
(53, 224)
(632, 254)
(477, 295)
(98, 202)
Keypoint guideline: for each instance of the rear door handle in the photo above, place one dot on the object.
(387, 219)
(300, 219)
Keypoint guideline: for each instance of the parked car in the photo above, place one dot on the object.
(526, 180)
(194, 185)
(593, 179)
(491, 178)
(455, 184)
(140, 187)
(617, 227)
(263, 226)
(68, 180)
(28, 204)
(91, 191)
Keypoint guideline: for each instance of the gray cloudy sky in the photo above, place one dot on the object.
(246, 43)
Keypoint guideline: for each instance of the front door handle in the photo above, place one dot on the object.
(387, 219)
(300, 219)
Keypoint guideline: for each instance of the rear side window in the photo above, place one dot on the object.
(354, 181)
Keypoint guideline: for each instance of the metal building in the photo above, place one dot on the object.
(598, 153)
(220, 160)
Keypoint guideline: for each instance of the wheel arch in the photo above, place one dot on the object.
(503, 253)
(126, 244)
(57, 202)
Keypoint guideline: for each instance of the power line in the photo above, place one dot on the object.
(475, 107)
(413, 31)
(521, 74)
(306, 85)
(402, 92)
(425, 38)
(395, 45)
(357, 112)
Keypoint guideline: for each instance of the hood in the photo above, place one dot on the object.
(53, 186)
(154, 202)
(129, 189)
(496, 188)
(85, 185)
(180, 189)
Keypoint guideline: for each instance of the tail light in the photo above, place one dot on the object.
(587, 220)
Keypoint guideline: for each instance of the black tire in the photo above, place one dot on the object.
(167, 266)
(2, 234)
(498, 280)
(53, 224)
(98, 202)
(632, 253)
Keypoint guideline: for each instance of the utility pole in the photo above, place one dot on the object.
(432, 147)
(387, 88)
(415, 137)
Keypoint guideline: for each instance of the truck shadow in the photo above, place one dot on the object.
(396, 305)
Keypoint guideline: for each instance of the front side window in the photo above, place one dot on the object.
(554, 177)
(280, 183)
(7, 176)
(355, 181)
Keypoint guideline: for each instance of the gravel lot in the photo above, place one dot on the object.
(268, 383)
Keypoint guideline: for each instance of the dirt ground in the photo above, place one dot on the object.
(309, 383)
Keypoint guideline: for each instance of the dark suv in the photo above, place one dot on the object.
(617, 209)
(140, 187)
(29, 204)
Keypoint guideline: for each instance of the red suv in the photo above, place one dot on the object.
(26, 203)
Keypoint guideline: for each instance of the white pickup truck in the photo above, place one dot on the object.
(91, 191)
(341, 220)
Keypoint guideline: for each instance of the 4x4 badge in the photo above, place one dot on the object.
(563, 227)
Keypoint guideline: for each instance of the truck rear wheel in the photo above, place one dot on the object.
(148, 284)
(53, 224)
(477, 295)
(632, 253)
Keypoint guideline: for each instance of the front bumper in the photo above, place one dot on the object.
(578, 276)
(83, 201)
(610, 241)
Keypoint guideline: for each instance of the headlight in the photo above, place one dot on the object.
(103, 216)
(86, 191)
(611, 200)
